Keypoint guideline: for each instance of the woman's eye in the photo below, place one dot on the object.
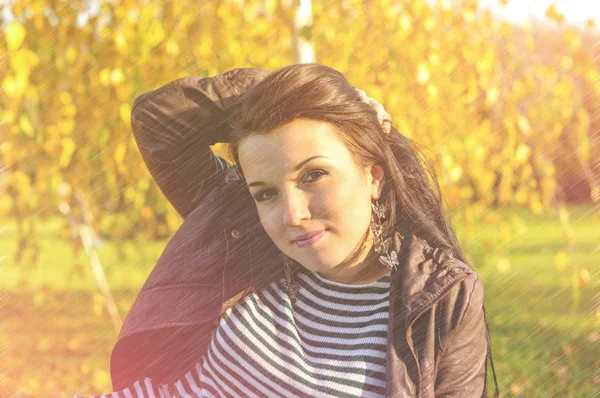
(317, 173)
(260, 196)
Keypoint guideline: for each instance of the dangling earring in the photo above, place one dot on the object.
(288, 285)
(382, 246)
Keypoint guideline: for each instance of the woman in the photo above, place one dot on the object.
(322, 264)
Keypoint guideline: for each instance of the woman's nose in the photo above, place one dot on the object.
(295, 207)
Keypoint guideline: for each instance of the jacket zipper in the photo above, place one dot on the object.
(425, 309)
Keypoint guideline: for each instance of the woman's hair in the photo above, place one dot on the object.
(313, 91)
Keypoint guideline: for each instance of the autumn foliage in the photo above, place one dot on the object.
(501, 122)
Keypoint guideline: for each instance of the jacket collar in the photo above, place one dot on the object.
(424, 274)
(423, 277)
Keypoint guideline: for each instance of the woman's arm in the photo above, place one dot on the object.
(174, 126)
(188, 384)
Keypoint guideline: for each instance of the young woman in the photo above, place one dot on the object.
(320, 264)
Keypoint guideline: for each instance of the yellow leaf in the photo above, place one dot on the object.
(104, 77)
(172, 48)
(504, 265)
(434, 58)
(522, 153)
(552, 13)
(26, 126)
(147, 212)
(270, 6)
(120, 41)
(469, 15)
(524, 126)
(64, 98)
(74, 344)
(455, 173)
(492, 96)
(7, 117)
(472, 92)
(155, 33)
(117, 76)
(101, 380)
(584, 276)
(505, 28)
(536, 206)
(405, 22)
(85, 368)
(125, 112)
(422, 73)
(204, 49)
(71, 55)
(566, 63)
(67, 152)
(15, 34)
(66, 126)
(21, 182)
(70, 110)
(573, 40)
(590, 23)
(173, 222)
(561, 260)
(8, 154)
(120, 153)
(429, 23)
(433, 92)
(22, 60)
(33, 385)
(15, 86)
(144, 184)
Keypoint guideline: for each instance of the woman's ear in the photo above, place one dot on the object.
(377, 180)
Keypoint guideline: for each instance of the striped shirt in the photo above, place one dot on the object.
(331, 342)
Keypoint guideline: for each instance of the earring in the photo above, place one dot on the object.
(288, 284)
(382, 246)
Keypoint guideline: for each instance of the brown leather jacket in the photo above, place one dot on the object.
(436, 336)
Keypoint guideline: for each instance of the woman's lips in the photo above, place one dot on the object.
(311, 240)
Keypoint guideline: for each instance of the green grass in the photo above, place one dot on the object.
(56, 336)
(544, 342)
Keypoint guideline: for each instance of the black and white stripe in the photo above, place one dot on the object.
(331, 343)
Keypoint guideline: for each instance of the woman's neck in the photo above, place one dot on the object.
(370, 269)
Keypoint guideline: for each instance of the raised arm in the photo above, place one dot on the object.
(174, 126)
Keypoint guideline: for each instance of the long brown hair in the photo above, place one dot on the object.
(313, 91)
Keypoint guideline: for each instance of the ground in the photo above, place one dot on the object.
(542, 303)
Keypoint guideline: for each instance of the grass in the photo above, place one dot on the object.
(57, 337)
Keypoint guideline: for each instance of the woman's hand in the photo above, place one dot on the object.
(384, 118)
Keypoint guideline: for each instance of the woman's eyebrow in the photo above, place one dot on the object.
(298, 166)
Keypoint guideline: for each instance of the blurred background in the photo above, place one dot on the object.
(504, 95)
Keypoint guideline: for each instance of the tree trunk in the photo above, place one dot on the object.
(302, 33)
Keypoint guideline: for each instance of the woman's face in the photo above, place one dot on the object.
(304, 180)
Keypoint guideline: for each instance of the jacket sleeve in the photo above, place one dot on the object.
(189, 381)
(175, 125)
(461, 370)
